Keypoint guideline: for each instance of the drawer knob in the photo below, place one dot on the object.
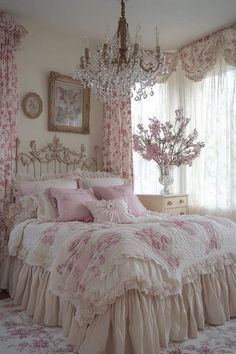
(181, 201)
(169, 203)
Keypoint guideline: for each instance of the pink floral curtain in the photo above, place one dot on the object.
(117, 142)
(200, 57)
(10, 38)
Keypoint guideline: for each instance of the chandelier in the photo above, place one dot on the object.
(120, 68)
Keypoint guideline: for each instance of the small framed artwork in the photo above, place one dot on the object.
(69, 105)
(32, 105)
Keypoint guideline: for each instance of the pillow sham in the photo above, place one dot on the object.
(71, 203)
(83, 173)
(135, 207)
(89, 182)
(26, 185)
(115, 210)
(45, 209)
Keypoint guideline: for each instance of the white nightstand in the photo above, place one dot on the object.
(176, 204)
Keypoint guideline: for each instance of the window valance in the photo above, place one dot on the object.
(200, 57)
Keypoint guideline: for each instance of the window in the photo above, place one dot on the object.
(211, 105)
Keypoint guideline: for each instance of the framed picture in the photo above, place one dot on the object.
(32, 105)
(69, 105)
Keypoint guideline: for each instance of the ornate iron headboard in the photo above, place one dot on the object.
(54, 158)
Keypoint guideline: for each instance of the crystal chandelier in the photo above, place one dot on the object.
(121, 68)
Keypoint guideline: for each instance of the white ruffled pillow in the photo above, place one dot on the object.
(46, 210)
(90, 182)
(115, 210)
(25, 184)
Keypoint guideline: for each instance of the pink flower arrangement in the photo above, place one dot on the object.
(166, 143)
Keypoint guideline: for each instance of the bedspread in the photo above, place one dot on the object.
(156, 256)
(37, 243)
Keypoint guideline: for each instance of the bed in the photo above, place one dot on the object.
(129, 282)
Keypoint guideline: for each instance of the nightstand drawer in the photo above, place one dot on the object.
(175, 202)
(177, 211)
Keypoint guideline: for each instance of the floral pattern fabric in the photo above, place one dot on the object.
(161, 253)
(11, 35)
(199, 57)
(117, 142)
(41, 249)
(19, 335)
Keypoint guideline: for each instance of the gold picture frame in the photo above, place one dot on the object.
(68, 105)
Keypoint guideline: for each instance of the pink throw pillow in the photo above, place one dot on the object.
(115, 210)
(70, 203)
(134, 205)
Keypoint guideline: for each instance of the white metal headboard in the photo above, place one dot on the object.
(53, 158)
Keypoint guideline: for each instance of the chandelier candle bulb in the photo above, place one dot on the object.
(81, 51)
(87, 55)
(157, 38)
(137, 38)
(86, 42)
(107, 34)
(82, 62)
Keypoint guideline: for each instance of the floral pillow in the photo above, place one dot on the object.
(115, 210)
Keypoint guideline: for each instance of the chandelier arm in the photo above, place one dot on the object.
(150, 68)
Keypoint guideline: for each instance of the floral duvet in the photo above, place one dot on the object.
(93, 264)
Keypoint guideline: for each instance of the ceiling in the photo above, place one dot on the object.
(179, 21)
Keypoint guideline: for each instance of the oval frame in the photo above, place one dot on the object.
(27, 112)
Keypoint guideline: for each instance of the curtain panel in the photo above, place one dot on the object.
(117, 141)
(11, 36)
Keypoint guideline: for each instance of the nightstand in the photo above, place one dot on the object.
(176, 204)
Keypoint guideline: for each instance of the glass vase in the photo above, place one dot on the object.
(166, 177)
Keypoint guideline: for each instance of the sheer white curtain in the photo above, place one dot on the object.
(162, 105)
(211, 104)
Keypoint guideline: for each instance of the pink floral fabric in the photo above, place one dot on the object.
(117, 141)
(10, 38)
(199, 57)
(97, 264)
(229, 45)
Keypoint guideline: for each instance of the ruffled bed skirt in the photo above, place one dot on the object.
(136, 323)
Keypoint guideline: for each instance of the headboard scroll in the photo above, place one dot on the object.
(54, 158)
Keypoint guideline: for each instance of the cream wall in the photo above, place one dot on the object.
(45, 50)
